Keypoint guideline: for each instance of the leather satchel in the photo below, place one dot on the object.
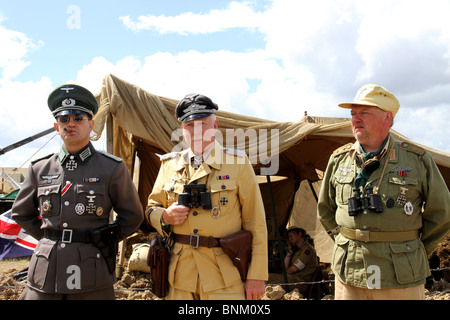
(238, 247)
(158, 260)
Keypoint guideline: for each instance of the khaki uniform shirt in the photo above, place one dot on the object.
(306, 254)
(414, 197)
(74, 194)
(236, 204)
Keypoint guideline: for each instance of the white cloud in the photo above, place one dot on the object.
(316, 55)
(15, 46)
(236, 15)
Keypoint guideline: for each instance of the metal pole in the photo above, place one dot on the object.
(277, 231)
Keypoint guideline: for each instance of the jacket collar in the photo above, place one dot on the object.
(81, 156)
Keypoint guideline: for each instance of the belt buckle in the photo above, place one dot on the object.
(67, 236)
(194, 236)
(362, 235)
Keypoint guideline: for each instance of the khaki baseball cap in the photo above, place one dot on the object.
(376, 96)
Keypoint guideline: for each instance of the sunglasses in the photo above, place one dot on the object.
(76, 118)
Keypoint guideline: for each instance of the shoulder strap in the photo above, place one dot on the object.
(342, 149)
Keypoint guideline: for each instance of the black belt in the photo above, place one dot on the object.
(196, 241)
(68, 235)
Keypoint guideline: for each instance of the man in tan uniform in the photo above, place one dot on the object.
(385, 204)
(300, 263)
(65, 203)
(199, 268)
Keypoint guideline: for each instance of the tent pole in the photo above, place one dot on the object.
(313, 191)
(277, 231)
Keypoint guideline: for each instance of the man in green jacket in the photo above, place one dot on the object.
(385, 204)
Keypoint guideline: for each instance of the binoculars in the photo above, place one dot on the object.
(357, 203)
(195, 196)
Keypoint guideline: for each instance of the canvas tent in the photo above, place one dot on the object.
(143, 124)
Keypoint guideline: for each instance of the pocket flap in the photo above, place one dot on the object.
(87, 252)
(91, 189)
(404, 247)
(403, 180)
(225, 185)
(47, 190)
(43, 251)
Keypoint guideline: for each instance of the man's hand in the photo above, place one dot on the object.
(254, 289)
(175, 214)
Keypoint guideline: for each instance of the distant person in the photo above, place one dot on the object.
(300, 261)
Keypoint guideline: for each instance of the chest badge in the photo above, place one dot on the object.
(409, 208)
(46, 206)
(49, 177)
(223, 201)
(91, 207)
(79, 209)
(215, 212)
(71, 164)
(401, 171)
(401, 200)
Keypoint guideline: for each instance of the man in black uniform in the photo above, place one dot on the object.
(65, 203)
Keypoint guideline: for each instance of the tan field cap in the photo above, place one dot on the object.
(376, 96)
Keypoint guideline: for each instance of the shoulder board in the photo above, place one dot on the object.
(168, 156)
(342, 149)
(412, 147)
(43, 158)
(235, 152)
(111, 156)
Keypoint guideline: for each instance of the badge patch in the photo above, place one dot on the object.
(409, 209)
(223, 201)
(401, 200)
(79, 209)
(46, 206)
(49, 177)
(401, 171)
(215, 212)
(71, 164)
(99, 211)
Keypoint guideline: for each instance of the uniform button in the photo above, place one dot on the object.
(68, 182)
(99, 255)
(91, 191)
(66, 203)
(65, 225)
(195, 213)
(224, 187)
(408, 248)
(47, 193)
(63, 245)
(195, 230)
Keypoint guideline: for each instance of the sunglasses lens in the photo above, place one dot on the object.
(64, 119)
(78, 117)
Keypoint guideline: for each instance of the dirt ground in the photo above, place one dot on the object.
(135, 285)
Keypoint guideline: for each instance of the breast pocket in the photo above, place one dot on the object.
(344, 187)
(223, 196)
(91, 198)
(49, 200)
